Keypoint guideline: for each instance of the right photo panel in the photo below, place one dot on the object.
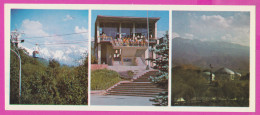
(210, 58)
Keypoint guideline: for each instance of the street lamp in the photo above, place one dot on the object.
(148, 65)
(15, 40)
(20, 79)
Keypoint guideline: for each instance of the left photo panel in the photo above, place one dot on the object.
(48, 57)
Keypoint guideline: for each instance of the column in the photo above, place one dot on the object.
(98, 40)
(133, 30)
(155, 30)
(99, 53)
(119, 30)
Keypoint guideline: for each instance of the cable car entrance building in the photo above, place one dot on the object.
(124, 40)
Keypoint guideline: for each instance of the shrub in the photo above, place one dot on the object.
(130, 73)
(102, 79)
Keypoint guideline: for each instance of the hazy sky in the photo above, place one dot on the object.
(225, 26)
(162, 24)
(38, 23)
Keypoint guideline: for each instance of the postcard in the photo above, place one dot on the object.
(90, 57)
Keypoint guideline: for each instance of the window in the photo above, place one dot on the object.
(126, 29)
(141, 29)
(110, 29)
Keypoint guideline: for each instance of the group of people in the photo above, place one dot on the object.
(138, 40)
(129, 41)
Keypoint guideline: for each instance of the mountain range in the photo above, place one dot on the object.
(203, 53)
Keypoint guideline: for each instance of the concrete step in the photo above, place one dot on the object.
(137, 91)
(142, 80)
(136, 87)
(139, 86)
(132, 93)
(136, 84)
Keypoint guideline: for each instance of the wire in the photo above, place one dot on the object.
(54, 35)
(55, 43)
(62, 43)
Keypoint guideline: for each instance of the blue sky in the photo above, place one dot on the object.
(38, 23)
(162, 25)
(227, 26)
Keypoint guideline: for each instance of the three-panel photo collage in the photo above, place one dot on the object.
(118, 57)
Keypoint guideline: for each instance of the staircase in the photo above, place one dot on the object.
(140, 86)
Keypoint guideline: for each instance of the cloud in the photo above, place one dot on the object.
(69, 54)
(32, 28)
(174, 35)
(216, 21)
(234, 28)
(83, 31)
(188, 36)
(67, 18)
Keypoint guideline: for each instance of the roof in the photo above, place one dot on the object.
(224, 71)
(239, 74)
(208, 73)
(126, 19)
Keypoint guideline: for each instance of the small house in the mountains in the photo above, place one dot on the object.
(206, 75)
(225, 74)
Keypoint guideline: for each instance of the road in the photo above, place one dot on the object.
(120, 100)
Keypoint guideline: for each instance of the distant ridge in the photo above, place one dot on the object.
(203, 53)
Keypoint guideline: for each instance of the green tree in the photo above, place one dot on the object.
(162, 64)
(187, 83)
(47, 84)
(14, 78)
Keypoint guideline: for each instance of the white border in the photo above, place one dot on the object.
(89, 54)
(170, 60)
(169, 8)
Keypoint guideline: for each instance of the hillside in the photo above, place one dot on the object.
(47, 82)
(203, 53)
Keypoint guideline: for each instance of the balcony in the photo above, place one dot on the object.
(129, 42)
(126, 42)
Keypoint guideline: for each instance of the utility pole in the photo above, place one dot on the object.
(148, 65)
(15, 40)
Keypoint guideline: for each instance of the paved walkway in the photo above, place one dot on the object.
(120, 100)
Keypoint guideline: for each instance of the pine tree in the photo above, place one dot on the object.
(162, 65)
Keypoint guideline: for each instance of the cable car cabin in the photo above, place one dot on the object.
(36, 51)
(35, 54)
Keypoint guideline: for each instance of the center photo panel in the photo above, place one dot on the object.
(129, 57)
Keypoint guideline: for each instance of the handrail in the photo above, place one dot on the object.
(126, 41)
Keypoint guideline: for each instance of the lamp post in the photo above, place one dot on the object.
(148, 65)
(14, 39)
(20, 70)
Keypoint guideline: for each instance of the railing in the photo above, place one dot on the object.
(134, 43)
(119, 42)
(126, 41)
(104, 38)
